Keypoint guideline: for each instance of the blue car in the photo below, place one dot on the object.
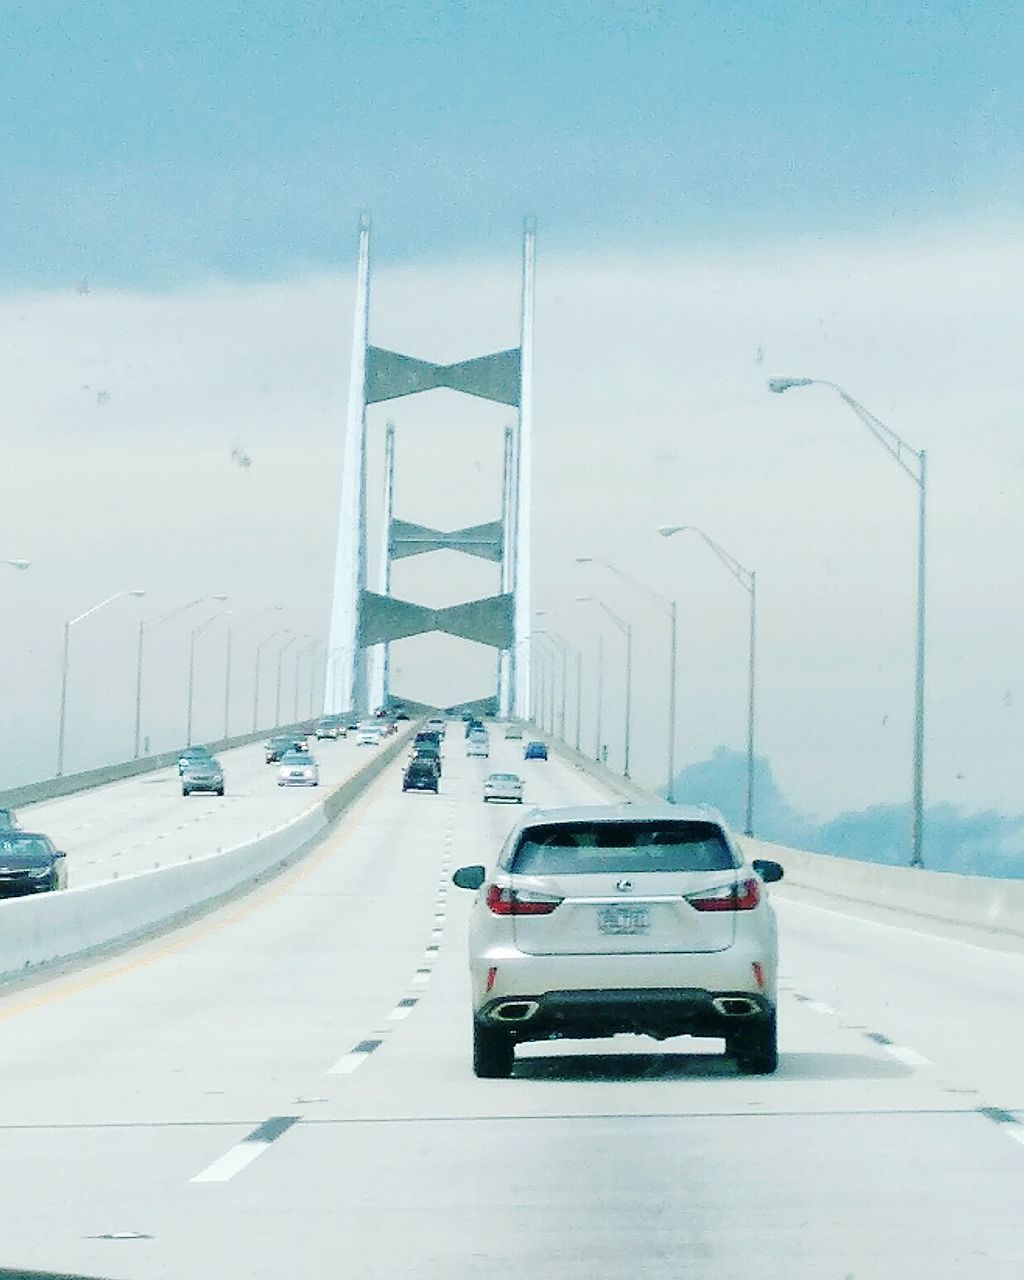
(536, 751)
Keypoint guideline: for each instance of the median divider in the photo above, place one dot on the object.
(74, 923)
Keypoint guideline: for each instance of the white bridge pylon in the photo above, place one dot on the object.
(364, 622)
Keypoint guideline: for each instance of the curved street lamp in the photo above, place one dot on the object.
(73, 622)
(155, 622)
(670, 606)
(18, 564)
(747, 578)
(627, 634)
(914, 463)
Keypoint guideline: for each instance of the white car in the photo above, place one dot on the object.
(617, 918)
(513, 733)
(478, 746)
(367, 737)
(503, 786)
(298, 769)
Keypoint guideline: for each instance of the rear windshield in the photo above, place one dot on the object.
(588, 847)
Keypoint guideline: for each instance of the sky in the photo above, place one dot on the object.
(723, 192)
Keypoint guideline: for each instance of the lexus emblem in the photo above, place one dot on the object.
(624, 886)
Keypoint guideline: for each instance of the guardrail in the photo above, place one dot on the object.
(987, 906)
(75, 923)
(70, 783)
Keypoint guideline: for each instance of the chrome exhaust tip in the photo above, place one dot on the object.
(735, 1006)
(514, 1010)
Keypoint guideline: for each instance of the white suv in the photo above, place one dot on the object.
(617, 918)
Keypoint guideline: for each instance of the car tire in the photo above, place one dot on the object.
(494, 1052)
(185, 791)
(756, 1046)
(220, 791)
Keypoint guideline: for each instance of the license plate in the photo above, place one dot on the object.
(618, 921)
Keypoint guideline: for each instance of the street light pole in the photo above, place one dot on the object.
(64, 666)
(193, 637)
(600, 696)
(579, 695)
(155, 622)
(898, 449)
(256, 679)
(747, 579)
(627, 634)
(280, 659)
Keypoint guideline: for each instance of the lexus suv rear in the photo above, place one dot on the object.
(603, 920)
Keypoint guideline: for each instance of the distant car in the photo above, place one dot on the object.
(192, 753)
(536, 751)
(478, 746)
(473, 723)
(428, 735)
(438, 725)
(203, 775)
(428, 751)
(275, 748)
(513, 732)
(609, 919)
(329, 727)
(298, 769)
(29, 863)
(367, 737)
(503, 786)
(420, 775)
(402, 715)
(8, 820)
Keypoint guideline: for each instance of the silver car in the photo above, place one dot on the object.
(503, 786)
(298, 769)
(202, 773)
(616, 918)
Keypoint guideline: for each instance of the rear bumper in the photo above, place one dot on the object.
(661, 1013)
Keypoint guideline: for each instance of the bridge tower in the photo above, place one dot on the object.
(364, 622)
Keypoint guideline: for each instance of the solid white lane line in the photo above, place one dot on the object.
(1016, 1132)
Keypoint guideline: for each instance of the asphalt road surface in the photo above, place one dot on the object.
(284, 1089)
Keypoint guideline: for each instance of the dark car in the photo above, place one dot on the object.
(428, 751)
(192, 753)
(473, 724)
(8, 820)
(402, 715)
(203, 775)
(420, 775)
(29, 863)
(428, 735)
(536, 751)
(275, 748)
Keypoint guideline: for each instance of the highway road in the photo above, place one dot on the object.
(283, 1089)
(145, 821)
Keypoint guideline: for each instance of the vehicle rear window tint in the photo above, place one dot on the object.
(584, 848)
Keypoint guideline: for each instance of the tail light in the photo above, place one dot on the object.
(519, 902)
(743, 896)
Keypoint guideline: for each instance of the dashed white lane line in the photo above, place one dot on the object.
(909, 1057)
(245, 1152)
(819, 1006)
(1016, 1132)
(354, 1059)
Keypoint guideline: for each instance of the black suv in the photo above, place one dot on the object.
(420, 775)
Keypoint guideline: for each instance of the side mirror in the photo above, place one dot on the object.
(768, 871)
(59, 853)
(469, 877)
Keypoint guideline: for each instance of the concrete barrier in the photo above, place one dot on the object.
(75, 922)
(983, 904)
(70, 783)
(978, 902)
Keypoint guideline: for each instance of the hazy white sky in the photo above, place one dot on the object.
(122, 410)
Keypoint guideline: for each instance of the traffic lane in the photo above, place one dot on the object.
(206, 1022)
(950, 1003)
(612, 1159)
(144, 822)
